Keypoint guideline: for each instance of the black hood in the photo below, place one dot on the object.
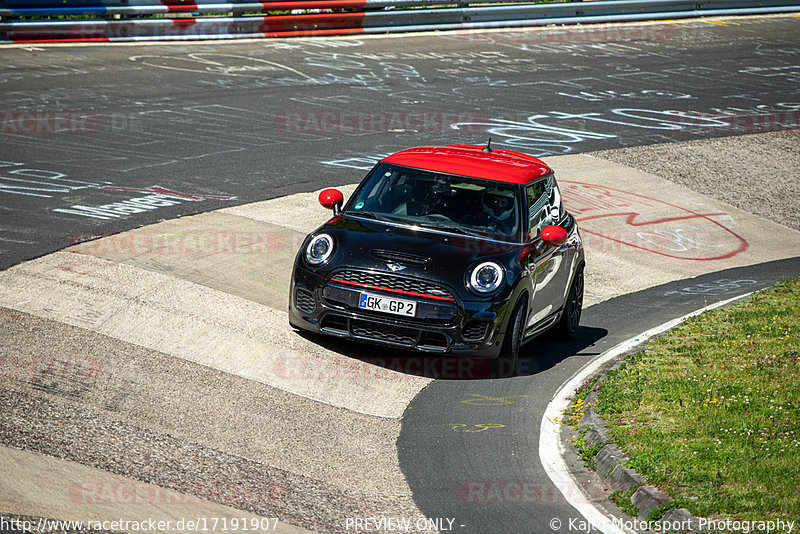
(382, 247)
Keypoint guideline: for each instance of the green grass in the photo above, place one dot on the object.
(586, 451)
(623, 501)
(710, 412)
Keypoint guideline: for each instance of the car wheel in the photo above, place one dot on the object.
(568, 326)
(509, 353)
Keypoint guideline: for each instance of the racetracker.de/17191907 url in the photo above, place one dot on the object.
(196, 524)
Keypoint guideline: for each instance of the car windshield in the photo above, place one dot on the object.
(469, 206)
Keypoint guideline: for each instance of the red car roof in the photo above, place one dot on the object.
(470, 160)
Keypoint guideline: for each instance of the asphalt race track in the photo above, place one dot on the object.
(229, 123)
(152, 198)
(481, 438)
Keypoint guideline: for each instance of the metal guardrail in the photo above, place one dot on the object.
(139, 20)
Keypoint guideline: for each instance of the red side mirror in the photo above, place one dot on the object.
(554, 235)
(331, 199)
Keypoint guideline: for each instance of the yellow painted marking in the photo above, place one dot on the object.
(486, 400)
(462, 427)
(722, 22)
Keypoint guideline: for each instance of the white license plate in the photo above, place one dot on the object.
(406, 308)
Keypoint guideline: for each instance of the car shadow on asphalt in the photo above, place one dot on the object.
(536, 356)
(547, 351)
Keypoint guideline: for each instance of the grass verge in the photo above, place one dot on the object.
(710, 412)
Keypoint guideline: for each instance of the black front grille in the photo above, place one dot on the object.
(335, 323)
(475, 330)
(388, 281)
(304, 300)
(433, 341)
(383, 332)
(406, 336)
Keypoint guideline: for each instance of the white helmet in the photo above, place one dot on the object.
(498, 203)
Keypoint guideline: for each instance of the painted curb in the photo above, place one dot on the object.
(552, 447)
(610, 466)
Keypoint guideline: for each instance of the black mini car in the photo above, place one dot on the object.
(455, 249)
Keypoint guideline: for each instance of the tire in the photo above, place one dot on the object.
(509, 352)
(568, 325)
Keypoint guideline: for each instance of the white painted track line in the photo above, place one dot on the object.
(552, 449)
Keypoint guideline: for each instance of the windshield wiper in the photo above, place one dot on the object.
(420, 224)
(454, 229)
(367, 214)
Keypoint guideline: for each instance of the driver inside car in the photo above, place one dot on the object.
(499, 208)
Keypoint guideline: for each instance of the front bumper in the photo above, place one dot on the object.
(458, 327)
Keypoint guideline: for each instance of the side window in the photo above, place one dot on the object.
(556, 204)
(537, 200)
(544, 204)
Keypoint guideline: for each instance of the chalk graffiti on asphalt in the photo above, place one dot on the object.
(18, 179)
(616, 221)
(555, 132)
(158, 197)
(715, 287)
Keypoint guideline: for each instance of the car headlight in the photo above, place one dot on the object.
(486, 277)
(319, 249)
